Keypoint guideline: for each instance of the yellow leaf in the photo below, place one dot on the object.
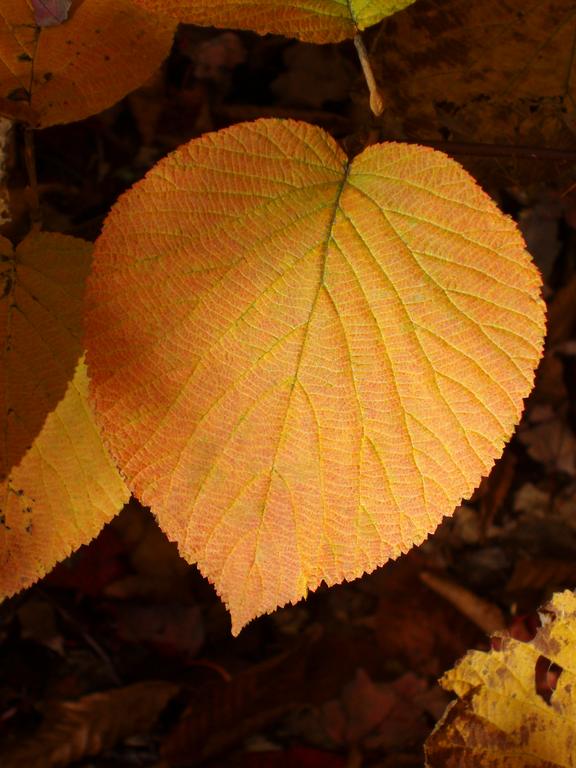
(316, 21)
(41, 303)
(72, 70)
(500, 720)
(61, 494)
(301, 362)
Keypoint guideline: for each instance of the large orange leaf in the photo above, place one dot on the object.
(302, 362)
(317, 21)
(60, 495)
(56, 74)
(41, 303)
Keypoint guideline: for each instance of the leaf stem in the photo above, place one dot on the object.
(376, 100)
(30, 160)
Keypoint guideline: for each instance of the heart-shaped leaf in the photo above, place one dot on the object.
(302, 362)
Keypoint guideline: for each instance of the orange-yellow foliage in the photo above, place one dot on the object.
(58, 485)
(302, 362)
(317, 21)
(41, 303)
(67, 72)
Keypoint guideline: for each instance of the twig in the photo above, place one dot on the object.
(484, 614)
(30, 160)
(376, 100)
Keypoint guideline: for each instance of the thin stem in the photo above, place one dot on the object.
(30, 160)
(376, 100)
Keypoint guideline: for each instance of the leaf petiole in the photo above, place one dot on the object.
(376, 100)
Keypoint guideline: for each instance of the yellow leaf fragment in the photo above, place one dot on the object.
(57, 74)
(316, 21)
(302, 362)
(61, 494)
(42, 286)
(500, 720)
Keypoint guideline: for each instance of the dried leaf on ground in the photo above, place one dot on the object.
(550, 386)
(539, 574)
(377, 715)
(503, 717)
(319, 21)
(73, 730)
(412, 624)
(550, 440)
(371, 326)
(483, 613)
(60, 495)
(41, 306)
(222, 713)
(56, 74)
(487, 72)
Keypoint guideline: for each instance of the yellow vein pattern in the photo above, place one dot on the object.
(316, 21)
(301, 381)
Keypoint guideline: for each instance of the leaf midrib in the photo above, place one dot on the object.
(321, 284)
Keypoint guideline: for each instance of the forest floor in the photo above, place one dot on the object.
(123, 655)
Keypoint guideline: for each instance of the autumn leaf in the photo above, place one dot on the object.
(60, 495)
(302, 362)
(42, 285)
(500, 718)
(439, 74)
(319, 21)
(70, 70)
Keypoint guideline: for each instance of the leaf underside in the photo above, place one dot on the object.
(301, 362)
(316, 21)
